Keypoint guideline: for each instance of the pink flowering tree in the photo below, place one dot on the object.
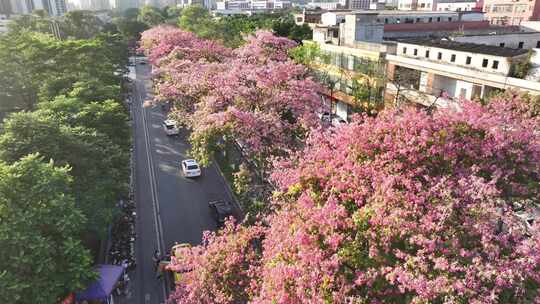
(409, 208)
(263, 46)
(267, 109)
(169, 43)
(255, 96)
(403, 208)
(222, 270)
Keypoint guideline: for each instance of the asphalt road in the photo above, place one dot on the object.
(170, 207)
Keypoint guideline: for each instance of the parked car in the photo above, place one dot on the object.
(190, 168)
(170, 127)
(337, 120)
(222, 210)
(325, 116)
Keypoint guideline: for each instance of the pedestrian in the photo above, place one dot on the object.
(156, 258)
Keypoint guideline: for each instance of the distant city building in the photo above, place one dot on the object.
(184, 3)
(327, 4)
(251, 5)
(457, 5)
(19, 7)
(511, 12)
(4, 21)
(5, 8)
(122, 5)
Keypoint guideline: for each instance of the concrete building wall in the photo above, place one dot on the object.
(456, 6)
(517, 40)
(511, 12)
(418, 17)
(361, 27)
(332, 18)
(482, 81)
(530, 26)
(426, 5)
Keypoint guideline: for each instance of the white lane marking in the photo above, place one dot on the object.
(153, 185)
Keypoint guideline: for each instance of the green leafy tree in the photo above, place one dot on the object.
(131, 29)
(172, 13)
(80, 25)
(107, 117)
(26, 59)
(41, 257)
(131, 13)
(33, 64)
(99, 167)
(150, 16)
(286, 27)
(33, 22)
(93, 90)
(196, 19)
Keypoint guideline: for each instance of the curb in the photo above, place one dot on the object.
(228, 188)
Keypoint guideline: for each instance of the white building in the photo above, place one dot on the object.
(250, 5)
(184, 3)
(444, 70)
(327, 4)
(455, 5)
(413, 5)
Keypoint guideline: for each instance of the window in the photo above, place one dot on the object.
(438, 19)
(429, 5)
(520, 45)
(495, 64)
(484, 63)
(502, 8)
(430, 19)
(417, 20)
(521, 8)
(538, 44)
(449, 19)
(386, 20)
(404, 50)
(439, 56)
(502, 44)
(453, 58)
(427, 54)
(423, 5)
(415, 52)
(468, 60)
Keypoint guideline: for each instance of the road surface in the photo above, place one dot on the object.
(170, 208)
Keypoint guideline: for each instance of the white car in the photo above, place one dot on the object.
(170, 127)
(191, 168)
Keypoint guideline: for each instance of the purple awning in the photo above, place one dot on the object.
(102, 288)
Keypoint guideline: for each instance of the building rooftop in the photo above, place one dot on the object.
(466, 47)
(397, 12)
(455, 1)
(501, 34)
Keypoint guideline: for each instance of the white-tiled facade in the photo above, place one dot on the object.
(449, 74)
